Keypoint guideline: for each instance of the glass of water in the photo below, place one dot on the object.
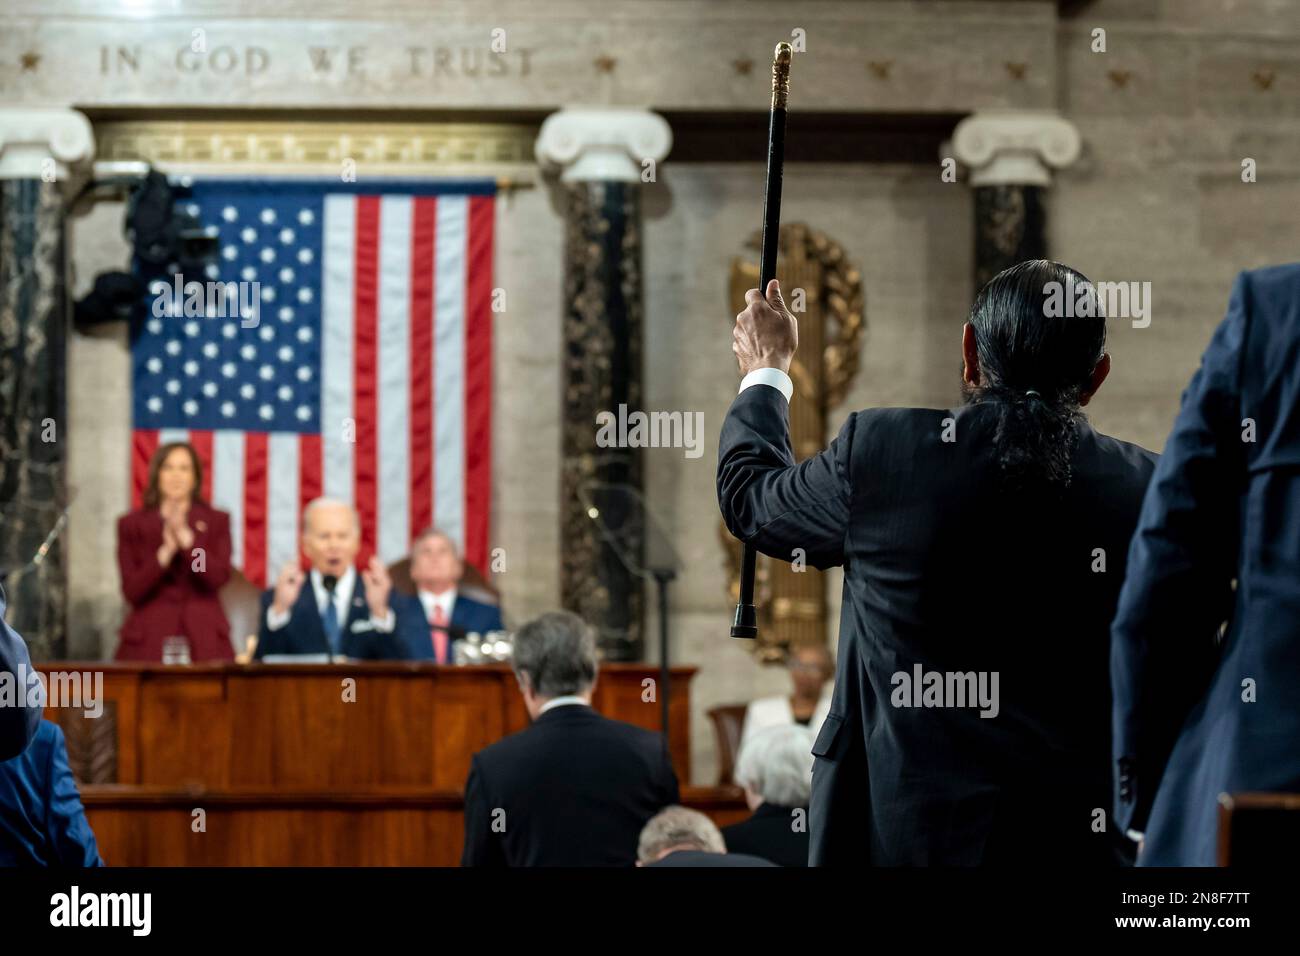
(176, 650)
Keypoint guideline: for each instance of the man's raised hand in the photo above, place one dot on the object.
(378, 587)
(287, 586)
(766, 335)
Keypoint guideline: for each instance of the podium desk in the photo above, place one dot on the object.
(313, 764)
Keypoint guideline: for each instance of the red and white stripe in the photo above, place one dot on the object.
(406, 392)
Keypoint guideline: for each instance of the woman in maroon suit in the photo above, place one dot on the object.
(174, 553)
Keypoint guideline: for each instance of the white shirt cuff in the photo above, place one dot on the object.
(385, 624)
(276, 621)
(769, 376)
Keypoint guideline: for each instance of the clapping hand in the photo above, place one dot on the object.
(287, 585)
(378, 586)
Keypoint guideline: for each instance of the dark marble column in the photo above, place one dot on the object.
(1009, 228)
(33, 342)
(1011, 155)
(44, 154)
(602, 372)
(607, 157)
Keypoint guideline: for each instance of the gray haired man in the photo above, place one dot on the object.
(682, 837)
(575, 788)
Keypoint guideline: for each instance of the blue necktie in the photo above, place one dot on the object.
(333, 633)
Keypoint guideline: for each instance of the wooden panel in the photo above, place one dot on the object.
(184, 729)
(341, 765)
(151, 826)
(470, 713)
(330, 729)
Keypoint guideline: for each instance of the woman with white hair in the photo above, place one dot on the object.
(775, 769)
(811, 669)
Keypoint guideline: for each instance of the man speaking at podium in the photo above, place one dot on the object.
(983, 549)
(333, 610)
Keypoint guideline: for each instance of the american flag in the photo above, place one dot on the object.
(368, 376)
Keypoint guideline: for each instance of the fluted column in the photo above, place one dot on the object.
(42, 151)
(1010, 155)
(603, 156)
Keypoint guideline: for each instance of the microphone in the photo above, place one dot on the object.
(39, 557)
(330, 581)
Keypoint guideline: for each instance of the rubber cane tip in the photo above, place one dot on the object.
(746, 622)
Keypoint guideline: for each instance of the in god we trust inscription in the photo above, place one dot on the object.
(333, 61)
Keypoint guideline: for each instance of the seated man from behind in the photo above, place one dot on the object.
(775, 768)
(575, 788)
(436, 571)
(42, 822)
(679, 836)
(339, 612)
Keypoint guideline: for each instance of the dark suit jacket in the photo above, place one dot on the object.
(305, 632)
(1222, 505)
(770, 833)
(573, 789)
(946, 570)
(467, 617)
(42, 822)
(475, 617)
(176, 599)
(17, 724)
(699, 858)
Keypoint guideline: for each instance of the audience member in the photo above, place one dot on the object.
(174, 555)
(575, 788)
(775, 770)
(681, 837)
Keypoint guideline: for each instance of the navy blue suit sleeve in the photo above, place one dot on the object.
(66, 823)
(1183, 556)
(17, 723)
(482, 842)
(411, 632)
(772, 503)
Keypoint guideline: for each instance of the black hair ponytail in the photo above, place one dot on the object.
(1039, 332)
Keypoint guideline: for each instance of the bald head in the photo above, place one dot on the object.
(331, 535)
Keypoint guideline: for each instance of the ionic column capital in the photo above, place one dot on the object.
(41, 143)
(599, 143)
(1015, 147)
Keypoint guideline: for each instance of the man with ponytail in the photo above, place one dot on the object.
(983, 550)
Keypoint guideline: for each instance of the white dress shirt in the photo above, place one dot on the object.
(342, 599)
(769, 376)
(446, 600)
(568, 700)
(775, 712)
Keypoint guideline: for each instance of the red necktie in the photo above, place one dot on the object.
(439, 634)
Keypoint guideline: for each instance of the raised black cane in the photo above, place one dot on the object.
(746, 620)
